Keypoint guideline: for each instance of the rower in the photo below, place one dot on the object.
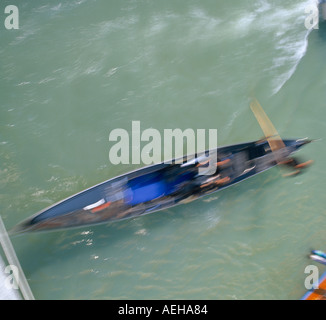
(293, 163)
(215, 180)
(223, 162)
(217, 164)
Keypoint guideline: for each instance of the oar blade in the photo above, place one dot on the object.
(271, 134)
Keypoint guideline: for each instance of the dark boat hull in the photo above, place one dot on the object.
(158, 187)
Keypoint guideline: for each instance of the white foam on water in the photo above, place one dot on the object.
(290, 44)
(296, 53)
(280, 25)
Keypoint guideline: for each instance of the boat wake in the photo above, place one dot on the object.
(293, 45)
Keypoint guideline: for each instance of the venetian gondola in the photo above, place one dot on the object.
(160, 186)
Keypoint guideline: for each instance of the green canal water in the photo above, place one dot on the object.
(76, 70)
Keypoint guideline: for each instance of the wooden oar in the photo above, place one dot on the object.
(272, 136)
